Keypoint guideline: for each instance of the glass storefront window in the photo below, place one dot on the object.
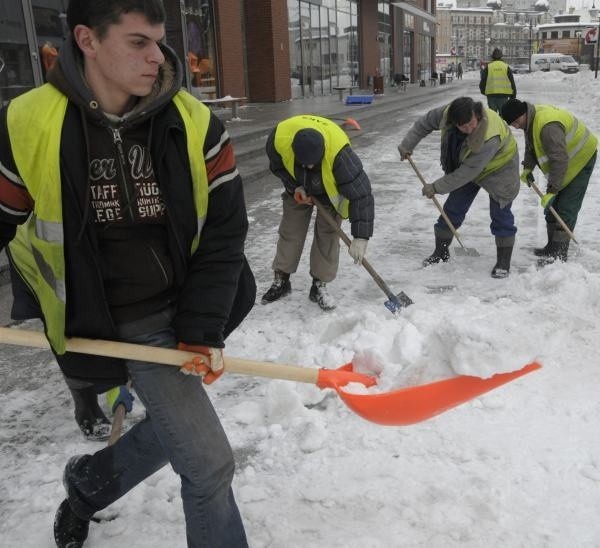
(16, 71)
(200, 48)
(323, 45)
(50, 19)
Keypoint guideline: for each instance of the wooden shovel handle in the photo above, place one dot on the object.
(165, 356)
(437, 203)
(331, 221)
(555, 214)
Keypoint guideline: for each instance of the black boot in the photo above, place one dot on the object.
(544, 251)
(558, 248)
(504, 248)
(90, 418)
(280, 287)
(441, 252)
(319, 294)
(70, 531)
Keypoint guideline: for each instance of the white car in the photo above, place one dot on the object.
(520, 68)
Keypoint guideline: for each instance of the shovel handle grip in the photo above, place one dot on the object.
(165, 356)
(555, 214)
(437, 203)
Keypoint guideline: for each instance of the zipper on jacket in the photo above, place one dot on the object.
(118, 141)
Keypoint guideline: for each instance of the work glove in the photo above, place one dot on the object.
(527, 177)
(208, 364)
(547, 199)
(357, 249)
(119, 395)
(428, 190)
(301, 197)
(404, 154)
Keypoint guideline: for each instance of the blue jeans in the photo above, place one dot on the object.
(181, 427)
(458, 203)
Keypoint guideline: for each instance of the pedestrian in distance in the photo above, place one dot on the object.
(123, 211)
(478, 151)
(459, 71)
(565, 151)
(497, 82)
(313, 158)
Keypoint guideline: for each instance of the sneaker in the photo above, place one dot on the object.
(319, 294)
(70, 531)
(88, 415)
(280, 287)
(95, 430)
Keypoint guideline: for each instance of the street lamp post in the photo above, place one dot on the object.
(530, 43)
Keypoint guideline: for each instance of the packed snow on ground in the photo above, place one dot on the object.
(517, 467)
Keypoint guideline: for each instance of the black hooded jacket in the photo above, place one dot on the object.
(128, 237)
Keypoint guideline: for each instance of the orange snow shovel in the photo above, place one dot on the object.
(397, 408)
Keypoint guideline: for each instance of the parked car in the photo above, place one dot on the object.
(553, 61)
(520, 68)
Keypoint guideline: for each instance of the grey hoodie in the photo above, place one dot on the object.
(502, 185)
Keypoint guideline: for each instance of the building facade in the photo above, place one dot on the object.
(266, 50)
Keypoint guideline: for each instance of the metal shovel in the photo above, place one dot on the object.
(394, 302)
(462, 250)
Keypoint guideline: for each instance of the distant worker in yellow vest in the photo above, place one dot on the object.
(478, 151)
(565, 151)
(313, 158)
(497, 82)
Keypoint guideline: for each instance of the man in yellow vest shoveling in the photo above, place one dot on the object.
(312, 157)
(123, 212)
(565, 151)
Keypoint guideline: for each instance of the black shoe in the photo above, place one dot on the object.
(436, 257)
(441, 253)
(96, 430)
(319, 294)
(502, 267)
(70, 531)
(280, 287)
(88, 415)
(542, 251)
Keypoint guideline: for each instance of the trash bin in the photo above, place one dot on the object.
(378, 85)
(442, 78)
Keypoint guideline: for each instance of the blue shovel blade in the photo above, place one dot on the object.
(396, 302)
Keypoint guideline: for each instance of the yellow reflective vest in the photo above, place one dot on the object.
(581, 143)
(35, 121)
(335, 139)
(496, 127)
(497, 82)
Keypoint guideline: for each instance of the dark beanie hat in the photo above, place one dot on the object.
(512, 109)
(497, 53)
(308, 146)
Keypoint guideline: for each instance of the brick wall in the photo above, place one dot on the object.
(230, 48)
(369, 48)
(267, 50)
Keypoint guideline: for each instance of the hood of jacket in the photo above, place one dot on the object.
(68, 77)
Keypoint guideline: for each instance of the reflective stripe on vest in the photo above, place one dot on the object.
(497, 82)
(581, 143)
(496, 127)
(35, 120)
(335, 139)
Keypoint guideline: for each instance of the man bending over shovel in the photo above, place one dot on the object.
(478, 150)
(312, 157)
